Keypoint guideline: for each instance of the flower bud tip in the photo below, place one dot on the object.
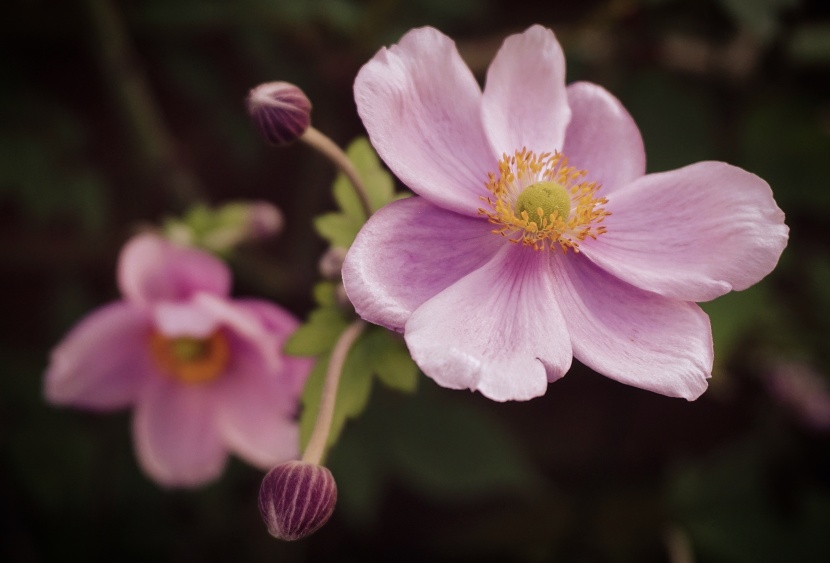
(280, 110)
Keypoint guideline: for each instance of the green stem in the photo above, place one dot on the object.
(330, 150)
(135, 100)
(316, 447)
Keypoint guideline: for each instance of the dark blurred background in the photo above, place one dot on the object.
(114, 114)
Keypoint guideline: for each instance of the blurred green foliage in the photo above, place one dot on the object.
(593, 471)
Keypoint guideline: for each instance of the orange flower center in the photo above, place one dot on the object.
(190, 360)
(541, 202)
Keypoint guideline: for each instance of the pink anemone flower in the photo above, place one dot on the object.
(205, 373)
(538, 237)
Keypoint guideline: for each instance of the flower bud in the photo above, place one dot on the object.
(331, 263)
(220, 229)
(296, 498)
(280, 110)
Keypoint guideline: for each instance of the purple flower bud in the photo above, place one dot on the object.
(296, 498)
(280, 110)
(331, 263)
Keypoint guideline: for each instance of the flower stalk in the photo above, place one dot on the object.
(320, 142)
(319, 436)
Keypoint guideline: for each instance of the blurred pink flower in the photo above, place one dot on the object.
(802, 389)
(538, 237)
(205, 373)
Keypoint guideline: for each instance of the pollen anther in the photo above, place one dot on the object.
(541, 202)
(190, 360)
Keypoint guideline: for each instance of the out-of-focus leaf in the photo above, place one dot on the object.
(443, 448)
(452, 450)
(337, 228)
(318, 335)
(676, 121)
(391, 361)
(782, 141)
(810, 44)
(375, 352)
(360, 472)
(726, 503)
(737, 314)
(46, 183)
(761, 17)
(378, 182)
(340, 228)
(324, 294)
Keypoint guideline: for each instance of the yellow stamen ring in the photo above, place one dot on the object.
(190, 360)
(541, 202)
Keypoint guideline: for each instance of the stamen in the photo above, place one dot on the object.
(190, 360)
(541, 202)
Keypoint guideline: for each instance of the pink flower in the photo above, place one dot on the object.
(538, 237)
(798, 386)
(204, 372)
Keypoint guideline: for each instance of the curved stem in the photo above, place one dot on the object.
(329, 148)
(319, 436)
(140, 111)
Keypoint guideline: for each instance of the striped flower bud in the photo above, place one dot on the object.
(280, 110)
(296, 498)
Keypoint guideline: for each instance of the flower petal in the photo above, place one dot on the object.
(524, 103)
(421, 106)
(184, 319)
(408, 252)
(175, 434)
(103, 361)
(498, 330)
(603, 138)
(256, 415)
(281, 324)
(152, 269)
(692, 234)
(245, 323)
(633, 336)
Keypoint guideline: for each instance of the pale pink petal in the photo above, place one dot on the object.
(421, 106)
(246, 323)
(176, 439)
(498, 330)
(257, 412)
(103, 361)
(692, 234)
(184, 319)
(153, 269)
(281, 324)
(524, 103)
(633, 336)
(602, 138)
(407, 253)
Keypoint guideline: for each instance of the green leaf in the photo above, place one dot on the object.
(376, 351)
(340, 228)
(449, 449)
(735, 315)
(347, 199)
(810, 44)
(318, 335)
(761, 17)
(391, 360)
(337, 228)
(324, 294)
(441, 446)
(378, 182)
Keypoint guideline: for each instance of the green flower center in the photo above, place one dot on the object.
(188, 349)
(190, 360)
(544, 199)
